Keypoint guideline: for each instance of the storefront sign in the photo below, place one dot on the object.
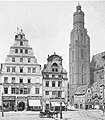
(21, 98)
(9, 97)
(34, 97)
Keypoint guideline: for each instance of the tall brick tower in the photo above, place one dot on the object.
(79, 53)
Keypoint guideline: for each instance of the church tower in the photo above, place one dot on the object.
(79, 53)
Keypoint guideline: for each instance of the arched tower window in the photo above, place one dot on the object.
(82, 69)
(82, 56)
(72, 56)
(82, 79)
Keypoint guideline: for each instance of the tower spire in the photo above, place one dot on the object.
(78, 3)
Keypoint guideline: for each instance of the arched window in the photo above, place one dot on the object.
(54, 64)
(82, 69)
(82, 56)
(72, 56)
(82, 79)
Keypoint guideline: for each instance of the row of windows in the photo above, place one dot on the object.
(55, 94)
(21, 59)
(54, 69)
(21, 51)
(13, 80)
(17, 90)
(52, 76)
(29, 69)
(53, 84)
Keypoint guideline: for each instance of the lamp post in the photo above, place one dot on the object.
(103, 96)
(2, 106)
(60, 100)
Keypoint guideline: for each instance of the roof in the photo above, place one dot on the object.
(81, 90)
(98, 60)
(50, 58)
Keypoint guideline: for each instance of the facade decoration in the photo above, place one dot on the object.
(21, 78)
(54, 83)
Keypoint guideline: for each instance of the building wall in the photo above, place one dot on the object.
(21, 74)
(79, 52)
(57, 76)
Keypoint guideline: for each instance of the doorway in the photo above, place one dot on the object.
(21, 106)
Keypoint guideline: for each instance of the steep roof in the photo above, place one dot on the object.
(98, 60)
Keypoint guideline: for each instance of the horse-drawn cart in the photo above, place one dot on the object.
(49, 114)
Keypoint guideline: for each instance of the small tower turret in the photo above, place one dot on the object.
(78, 18)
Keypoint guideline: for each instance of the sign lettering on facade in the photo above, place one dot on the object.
(9, 97)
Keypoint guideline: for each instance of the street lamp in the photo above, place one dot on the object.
(103, 96)
(60, 100)
(2, 106)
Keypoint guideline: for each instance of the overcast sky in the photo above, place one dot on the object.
(47, 26)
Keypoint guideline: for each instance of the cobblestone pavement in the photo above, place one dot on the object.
(69, 115)
(24, 115)
(83, 115)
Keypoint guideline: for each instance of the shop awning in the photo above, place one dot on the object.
(34, 103)
(47, 102)
(57, 104)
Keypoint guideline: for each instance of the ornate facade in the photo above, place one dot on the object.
(21, 78)
(54, 83)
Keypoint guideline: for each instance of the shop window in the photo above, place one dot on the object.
(47, 83)
(13, 59)
(8, 69)
(16, 50)
(46, 92)
(5, 79)
(13, 69)
(34, 70)
(21, 80)
(21, 59)
(5, 90)
(21, 70)
(53, 83)
(36, 90)
(29, 70)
